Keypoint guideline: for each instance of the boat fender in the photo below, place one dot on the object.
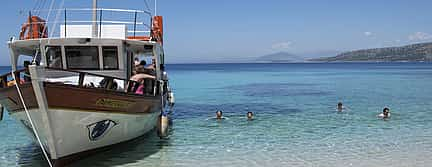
(165, 76)
(1, 112)
(163, 123)
(171, 99)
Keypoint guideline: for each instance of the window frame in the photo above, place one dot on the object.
(116, 57)
(61, 56)
(97, 67)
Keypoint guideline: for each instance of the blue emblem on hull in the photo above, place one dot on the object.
(99, 129)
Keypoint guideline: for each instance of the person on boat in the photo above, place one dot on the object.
(142, 69)
(152, 66)
(249, 115)
(139, 74)
(385, 113)
(138, 65)
(219, 114)
(26, 72)
(136, 61)
(139, 79)
(340, 107)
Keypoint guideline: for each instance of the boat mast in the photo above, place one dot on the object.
(94, 20)
(155, 7)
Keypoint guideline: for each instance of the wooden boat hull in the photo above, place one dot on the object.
(83, 119)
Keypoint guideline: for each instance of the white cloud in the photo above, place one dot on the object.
(368, 34)
(419, 36)
(282, 45)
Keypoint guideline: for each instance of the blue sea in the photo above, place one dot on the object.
(295, 124)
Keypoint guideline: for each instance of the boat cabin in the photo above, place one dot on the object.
(113, 57)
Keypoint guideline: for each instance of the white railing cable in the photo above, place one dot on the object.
(48, 16)
(103, 9)
(147, 5)
(55, 20)
(30, 120)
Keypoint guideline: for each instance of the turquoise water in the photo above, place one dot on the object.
(296, 123)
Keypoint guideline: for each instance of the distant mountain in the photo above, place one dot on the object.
(415, 53)
(318, 54)
(280, 57)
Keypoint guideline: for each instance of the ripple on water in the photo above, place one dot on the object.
(278, 89)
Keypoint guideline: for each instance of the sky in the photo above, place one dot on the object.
(197, 31)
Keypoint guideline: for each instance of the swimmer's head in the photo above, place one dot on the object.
(386, 112)
(249, 115)
(219, 114)
(339, 106)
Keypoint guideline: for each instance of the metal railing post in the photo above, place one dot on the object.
(135, 23)
(65, 29)
(81, 79)
(31, 26)
(100, 23)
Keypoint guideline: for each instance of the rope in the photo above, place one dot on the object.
(48, 16)
(31, 122)
(55, 20)
(146, 4)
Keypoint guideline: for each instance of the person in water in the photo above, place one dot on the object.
(340, 107)
(385, 113)
(249, 115)
(219, 114)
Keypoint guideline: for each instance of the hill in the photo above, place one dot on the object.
(413, 53)
(280, 57)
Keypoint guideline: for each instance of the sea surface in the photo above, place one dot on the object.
(296, 123)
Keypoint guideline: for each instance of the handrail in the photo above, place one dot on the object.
(138, 21)
(99, 9)
(79, 72)
(149, 86)
(131, 85)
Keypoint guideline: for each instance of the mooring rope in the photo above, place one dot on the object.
(30, 120)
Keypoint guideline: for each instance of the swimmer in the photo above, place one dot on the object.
(219, 114)
(249, 115)
(385, 113)
(340, 107)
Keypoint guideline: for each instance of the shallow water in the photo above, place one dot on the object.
(296, 123)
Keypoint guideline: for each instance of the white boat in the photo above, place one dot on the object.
(82, 90)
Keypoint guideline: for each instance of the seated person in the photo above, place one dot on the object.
(27, 72)
(141, 69)
(139, 79)
(153, 65)
(136, 61)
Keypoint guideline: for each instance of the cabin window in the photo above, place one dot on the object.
(54, 56)
(110, 58)
(82, 57)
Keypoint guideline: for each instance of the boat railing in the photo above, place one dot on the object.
(138, 22)
(147, 87)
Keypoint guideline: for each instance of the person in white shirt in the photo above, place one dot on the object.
(385, 113)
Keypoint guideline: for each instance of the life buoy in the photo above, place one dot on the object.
(157, 29)
(34, 28)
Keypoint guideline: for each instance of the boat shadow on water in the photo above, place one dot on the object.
(120, 154)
